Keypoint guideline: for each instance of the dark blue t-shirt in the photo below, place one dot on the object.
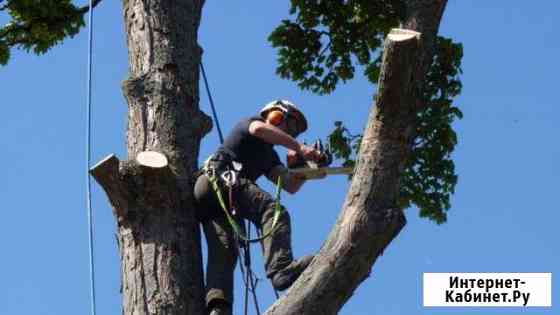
(257, 156)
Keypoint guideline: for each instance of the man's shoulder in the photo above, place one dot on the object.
(249, 119)
(244, 123)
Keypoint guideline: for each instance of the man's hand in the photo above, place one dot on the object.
(298, 176)
(290, 182)
(309, 153)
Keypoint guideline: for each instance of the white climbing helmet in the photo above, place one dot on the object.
(289, 109)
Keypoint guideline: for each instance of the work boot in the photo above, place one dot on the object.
(220, 308)
(284, 278)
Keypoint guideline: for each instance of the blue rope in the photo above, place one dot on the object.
(88, 159)
(248, 274)
(212, 104)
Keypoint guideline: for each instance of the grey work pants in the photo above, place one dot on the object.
(254, 204)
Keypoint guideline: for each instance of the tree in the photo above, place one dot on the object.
(403, 153)
(402, 158)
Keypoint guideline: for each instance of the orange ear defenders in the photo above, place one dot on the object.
(275, 117)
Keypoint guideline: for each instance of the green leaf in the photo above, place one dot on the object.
(38, 25)
(317, 48)
(4, 53)
(429, 178)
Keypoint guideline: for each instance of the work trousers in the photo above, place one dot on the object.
(254, 204)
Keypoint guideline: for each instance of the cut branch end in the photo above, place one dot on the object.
(399, 34)
(152, 159)
(108, 166)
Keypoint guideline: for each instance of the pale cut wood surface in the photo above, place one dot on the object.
(151, 159)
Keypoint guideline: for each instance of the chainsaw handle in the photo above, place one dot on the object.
(295, 160)
(309, 153)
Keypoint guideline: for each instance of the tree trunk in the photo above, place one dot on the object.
(151, 196)
(370, 219)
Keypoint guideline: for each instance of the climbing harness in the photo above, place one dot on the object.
(229, 178)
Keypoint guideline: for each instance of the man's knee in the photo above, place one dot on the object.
(202, 188)
(270, 212)
(206, 204)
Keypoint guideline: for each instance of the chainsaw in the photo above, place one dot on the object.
(295, 160)
(318, 168)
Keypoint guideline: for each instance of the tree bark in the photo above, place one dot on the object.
(370, 219)
(424, 16)
(158, 235)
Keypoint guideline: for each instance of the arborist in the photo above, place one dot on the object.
(246, 154)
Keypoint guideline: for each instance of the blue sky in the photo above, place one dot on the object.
(504, 213)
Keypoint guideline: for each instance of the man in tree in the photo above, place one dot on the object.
(250, 144)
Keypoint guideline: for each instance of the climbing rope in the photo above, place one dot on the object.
(88, 160)
(248, 276)
(220, 135)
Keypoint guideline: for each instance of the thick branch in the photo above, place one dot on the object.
(106, 173)
(121, 180)
(424, 16)
(155, 247)
(370, 219)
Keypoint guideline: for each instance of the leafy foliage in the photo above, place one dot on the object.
(355, 30)
(429, 179)
(38, 25)
(317, 49)
(4, 53)
(344, 145)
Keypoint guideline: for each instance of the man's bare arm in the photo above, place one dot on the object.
(273, 135)
(290, 182)
(277, 136)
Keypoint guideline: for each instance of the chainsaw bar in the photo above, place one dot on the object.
(319, 172)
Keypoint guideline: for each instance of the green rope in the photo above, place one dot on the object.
(236, 228)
